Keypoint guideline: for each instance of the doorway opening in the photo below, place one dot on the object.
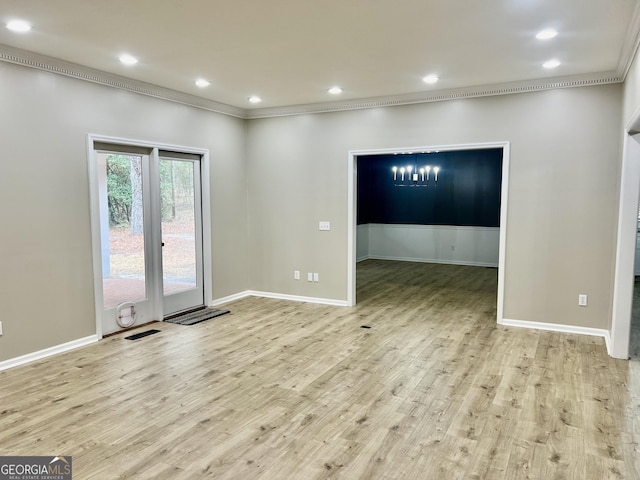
(149, 224)
(415, 182)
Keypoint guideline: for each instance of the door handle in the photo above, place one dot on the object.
(162, 244)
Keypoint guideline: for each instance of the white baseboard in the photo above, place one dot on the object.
(556, 327)
(278, 296)
(229, 298)
(298, 298)
(363, 258)
(432, 260)
(48, 352)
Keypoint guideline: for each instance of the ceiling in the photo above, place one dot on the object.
(290, 52)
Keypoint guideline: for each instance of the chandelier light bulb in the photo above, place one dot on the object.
(435, 172)
(422, 173)
(394, 169)
(402, 173)
(427, 169)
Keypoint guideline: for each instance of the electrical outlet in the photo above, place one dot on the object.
(296, 274)
(309, 277)
(316, 277)
(582, 300)
(324, 226)
(0, 328)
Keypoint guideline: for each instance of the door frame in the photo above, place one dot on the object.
(623, 283)
(353, 205)
(94, 208)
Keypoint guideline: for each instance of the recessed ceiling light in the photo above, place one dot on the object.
(201, 82)
(335, 90)
(255, 99)
(546, 34)
(551, 63)
(128, 59)
(430, 79)
(19, 26)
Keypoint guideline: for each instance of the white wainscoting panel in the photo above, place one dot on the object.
(429, 243)
(362, 242)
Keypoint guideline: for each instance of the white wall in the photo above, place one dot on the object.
(562, 201)
(458, 245)
(46, 286)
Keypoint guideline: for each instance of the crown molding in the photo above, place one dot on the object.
(630, 45)
(80, 72)
(526, 86)
(61, 67)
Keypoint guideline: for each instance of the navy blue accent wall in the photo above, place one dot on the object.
(467, 191)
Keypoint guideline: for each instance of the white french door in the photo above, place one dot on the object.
(181, 231)
(150, 233)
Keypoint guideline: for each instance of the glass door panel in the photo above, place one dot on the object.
(123, 262)
(181, 234)
(124, 245)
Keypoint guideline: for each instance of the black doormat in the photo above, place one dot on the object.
(142, 334)
(196, 317)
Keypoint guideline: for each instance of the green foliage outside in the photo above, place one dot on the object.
(176, 188)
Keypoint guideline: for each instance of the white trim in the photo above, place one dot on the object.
(60, 67)
(508, 88)
(623, 282)
(557, 327)
(429, 260)
(352, 227)
(278, 296)
(207, 252)
(502, 252)
(229, 298)
(298, 298)
(352, 206)
(48, 352)
(80, 72)
(630, 45)
(363, 258)
(94, 209)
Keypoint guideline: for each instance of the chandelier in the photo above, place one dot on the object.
(411, 176)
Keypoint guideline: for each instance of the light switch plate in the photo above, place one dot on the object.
(324, 225)
(582, 300)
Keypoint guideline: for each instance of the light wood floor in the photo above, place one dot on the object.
(284, 390)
